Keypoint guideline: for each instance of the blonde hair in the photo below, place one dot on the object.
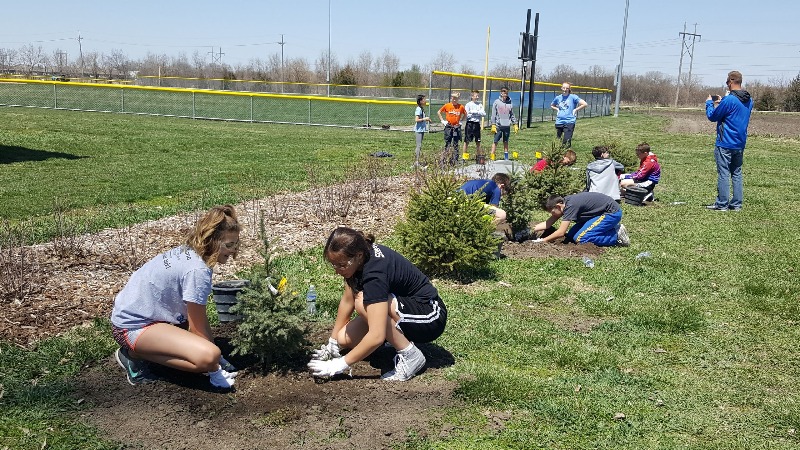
(205, 238)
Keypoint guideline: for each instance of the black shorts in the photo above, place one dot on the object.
(421, 322)
(472, 132)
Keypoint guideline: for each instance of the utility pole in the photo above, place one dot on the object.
(685, 49)
(328, 73)
(621, 59)
(80, 50)
(282, 75)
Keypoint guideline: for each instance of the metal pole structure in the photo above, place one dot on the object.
(533, 68)
(328, 75)
(486, 70)
(621, 59)
(691, 59)
(430, 92)
(524, 58)
(283, 77)
(680, 65)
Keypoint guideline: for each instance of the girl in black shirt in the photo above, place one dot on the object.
(395, 302)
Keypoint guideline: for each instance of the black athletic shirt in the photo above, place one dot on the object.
(583, 206)
(388, 272)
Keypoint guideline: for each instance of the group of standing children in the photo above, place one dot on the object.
(502, 121)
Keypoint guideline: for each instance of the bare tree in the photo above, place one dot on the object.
(153, 64)
(466, 68)
(298, 71)
(198, 63)
(92, 61)
(59, 60)
(322, 66)
(8, 59)
(443, 61)
(505, 70)
(32, 58)
(563, 72)
(388, 63)
(363, 68)
(274, 68)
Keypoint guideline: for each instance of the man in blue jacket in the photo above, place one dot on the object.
(732, 114)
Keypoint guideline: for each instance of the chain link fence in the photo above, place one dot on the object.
(296, 103)
(443, 83)
(215, 105)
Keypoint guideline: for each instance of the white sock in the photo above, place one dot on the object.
(408, 350)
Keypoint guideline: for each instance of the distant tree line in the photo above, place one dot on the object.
(649, 89)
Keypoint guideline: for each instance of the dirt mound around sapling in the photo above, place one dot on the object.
(267, 410)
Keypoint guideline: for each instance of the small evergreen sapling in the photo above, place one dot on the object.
(273, 325)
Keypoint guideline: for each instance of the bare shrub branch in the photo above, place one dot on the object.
(332, 200)
(69, 231)
(20, 274)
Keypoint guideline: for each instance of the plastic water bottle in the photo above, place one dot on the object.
(311, 299)
(643, 255)
(588, 262)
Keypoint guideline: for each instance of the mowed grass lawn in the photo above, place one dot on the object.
(693, 347)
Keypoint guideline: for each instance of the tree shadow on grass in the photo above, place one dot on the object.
(13, 154)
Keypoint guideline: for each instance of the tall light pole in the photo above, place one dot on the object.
(328, 75)
(621, 59)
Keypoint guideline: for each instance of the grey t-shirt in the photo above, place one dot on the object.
(159, 290)
(583, 206)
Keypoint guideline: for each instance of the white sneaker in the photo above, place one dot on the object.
(622, 236)
(218, 379)
(405, 366)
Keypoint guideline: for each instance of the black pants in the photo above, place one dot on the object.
(452, 136)
(566, 130)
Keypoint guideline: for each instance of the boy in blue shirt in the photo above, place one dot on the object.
(567, 106)
(491, 190)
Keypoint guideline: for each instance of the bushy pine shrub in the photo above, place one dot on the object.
(273, 326)
(531, 190)
(625, 156)
(445, 231)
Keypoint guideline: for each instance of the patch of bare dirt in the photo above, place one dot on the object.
(765, 124)
(276, 410)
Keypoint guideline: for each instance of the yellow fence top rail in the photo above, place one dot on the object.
(215, 92)
(516, 80)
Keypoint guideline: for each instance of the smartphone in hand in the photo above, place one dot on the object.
(715, 98)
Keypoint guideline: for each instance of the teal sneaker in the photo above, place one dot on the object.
(136, 370)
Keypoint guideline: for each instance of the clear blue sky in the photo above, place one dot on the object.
(758, 38)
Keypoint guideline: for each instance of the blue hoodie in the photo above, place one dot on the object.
(732, 116)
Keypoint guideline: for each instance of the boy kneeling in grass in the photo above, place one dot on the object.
(597, 220)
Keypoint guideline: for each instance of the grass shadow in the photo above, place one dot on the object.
(12, 154)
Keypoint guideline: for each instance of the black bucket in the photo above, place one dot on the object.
(225, 297)
(480, 159)
(634, 195)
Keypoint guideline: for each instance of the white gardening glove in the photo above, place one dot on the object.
(538, 240)
(226, 365)
(444, 122)
(327, 368)
(327, 351)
